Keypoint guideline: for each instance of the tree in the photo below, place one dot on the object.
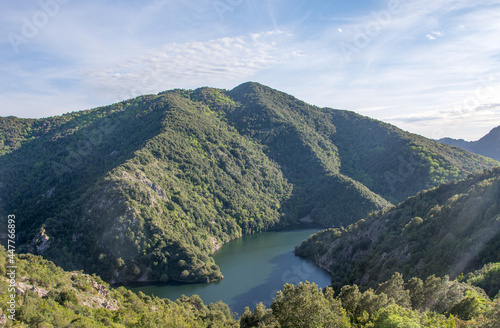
(350, 297)
(491, 319)
(394, 288)
(395, 316)
(305, 306)
(261, 317)
(472, 306)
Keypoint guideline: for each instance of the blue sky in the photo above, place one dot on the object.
(429, 67)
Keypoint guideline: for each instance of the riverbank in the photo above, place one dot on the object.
(255, 267)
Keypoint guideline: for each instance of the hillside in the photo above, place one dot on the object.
(147, 189)
(304, 139)
(489, 145)
(159, 181)
(47, 296)
(448, 230)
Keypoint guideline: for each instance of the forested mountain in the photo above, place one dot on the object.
(146, 189)
(489, 145)
(448, 230)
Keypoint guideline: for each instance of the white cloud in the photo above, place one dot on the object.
(434, 35)
(221, 61)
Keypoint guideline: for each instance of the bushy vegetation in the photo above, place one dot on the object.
(47, 296)
(452, 229)
(149, 188)
(487, 278)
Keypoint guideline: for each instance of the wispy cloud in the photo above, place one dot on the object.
(214, 62)
(434, 35)
(397, 72)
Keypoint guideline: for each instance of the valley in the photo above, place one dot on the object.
(184, 191)
(255, 268)
(147, 189)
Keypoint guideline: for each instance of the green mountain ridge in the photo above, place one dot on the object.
(448, 230)
(146, 189)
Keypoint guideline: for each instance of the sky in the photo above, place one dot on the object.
(429, 66)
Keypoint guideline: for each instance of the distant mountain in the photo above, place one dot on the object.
(448, 230)
(489, 145)
(147, 189)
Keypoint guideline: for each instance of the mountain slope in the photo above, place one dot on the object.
(148, 188)
(445, 231)
(489, 145)
(159, 182)
(390, 162)
(47, 296)
(308, 142)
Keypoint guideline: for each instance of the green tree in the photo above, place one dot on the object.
(259, 318)
(490, 319)
(394, 288)
(472, 306)
(305, 306)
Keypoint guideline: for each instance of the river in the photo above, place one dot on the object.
(255, 267)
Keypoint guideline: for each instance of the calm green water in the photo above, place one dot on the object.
(254, 267)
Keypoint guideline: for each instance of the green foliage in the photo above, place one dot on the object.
(444, 231)
(394, 289)
(149, 188)
(395, 316)
(472, 306)
(259, 318)
(306, 305)
(491, 318)
(74, 299)
(487, 278)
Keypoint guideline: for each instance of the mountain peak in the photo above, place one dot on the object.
(252, 88)
(493, 135)
(488, 146)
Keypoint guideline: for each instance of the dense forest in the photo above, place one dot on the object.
(147, 189)
(449, 230)
(47, 296)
